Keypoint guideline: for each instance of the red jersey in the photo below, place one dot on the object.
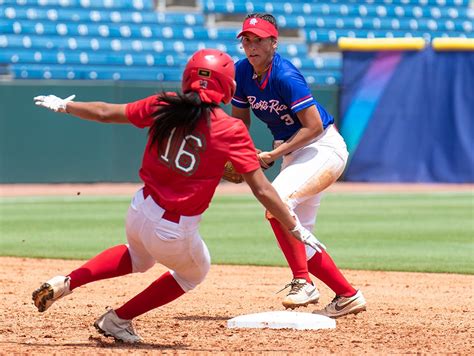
(184, 177)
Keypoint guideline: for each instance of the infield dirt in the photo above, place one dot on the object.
(407, 312)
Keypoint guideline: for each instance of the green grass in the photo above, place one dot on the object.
(426, 232)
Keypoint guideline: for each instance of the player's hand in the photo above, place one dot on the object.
(306, 237)
(52, 102)
(265, 159)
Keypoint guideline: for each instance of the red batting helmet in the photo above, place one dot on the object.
(210, 73)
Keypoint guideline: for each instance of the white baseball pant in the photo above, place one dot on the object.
(306, 172)
(177, 246)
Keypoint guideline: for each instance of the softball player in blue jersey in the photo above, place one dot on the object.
(314, 156)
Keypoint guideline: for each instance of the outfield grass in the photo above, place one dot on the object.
(429, 232)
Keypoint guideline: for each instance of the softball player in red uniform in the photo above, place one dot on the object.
(190, 140)
(314, 156)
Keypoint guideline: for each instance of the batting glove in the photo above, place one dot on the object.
(52, 102)
(306, 237)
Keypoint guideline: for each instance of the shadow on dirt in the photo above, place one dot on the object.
(203, 317)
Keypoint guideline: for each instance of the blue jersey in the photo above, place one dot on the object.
(277, 98)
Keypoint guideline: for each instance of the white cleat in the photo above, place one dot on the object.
(50, 291)
(301, 294)
(341, 306)
(121, 330)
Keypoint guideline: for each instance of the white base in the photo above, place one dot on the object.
(282, 320)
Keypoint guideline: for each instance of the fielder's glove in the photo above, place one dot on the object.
(306, 237)
(52, 102)
(231, 175)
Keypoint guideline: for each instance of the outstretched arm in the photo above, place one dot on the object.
(268, 196)
(95, 111)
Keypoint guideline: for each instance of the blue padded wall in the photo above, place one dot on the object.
(409, 116)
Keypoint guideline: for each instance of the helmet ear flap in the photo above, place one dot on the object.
(233, 89)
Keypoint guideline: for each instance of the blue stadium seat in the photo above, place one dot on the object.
(99, 4)
(133, 45)
(319, 63)
(117, 39)
(25, 56)
(34, 71)
(99, 16)
(27, 27)
(4, 69)
(322, 77)
(16, 56)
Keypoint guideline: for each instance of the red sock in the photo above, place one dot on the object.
(110, 263)
(162, 291)
(294, 251)
(323, 267)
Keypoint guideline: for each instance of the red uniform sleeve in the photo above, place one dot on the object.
(140, 113)
(242, 150)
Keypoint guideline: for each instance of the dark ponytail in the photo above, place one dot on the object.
(180, 111)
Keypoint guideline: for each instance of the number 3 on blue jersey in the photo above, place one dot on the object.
(287, 119)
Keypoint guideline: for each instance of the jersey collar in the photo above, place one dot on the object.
(262, 85)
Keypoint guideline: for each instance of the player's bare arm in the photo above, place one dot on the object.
(312, 126)
(95, 111)
(99, 111)
(242, 114)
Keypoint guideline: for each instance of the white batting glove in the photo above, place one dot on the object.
(52, 102)
(306, 237)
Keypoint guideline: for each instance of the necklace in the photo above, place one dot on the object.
(259, 75)
(263, 84)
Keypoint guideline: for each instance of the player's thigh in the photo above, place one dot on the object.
(193, 270)
(164, 240)
(308, 172)
(182, 251)
(136, 219)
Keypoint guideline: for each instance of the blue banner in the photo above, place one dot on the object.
(408, 116)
